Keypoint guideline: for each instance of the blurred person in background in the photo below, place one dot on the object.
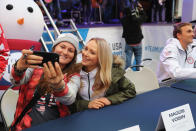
(86, 6)
(132, 19)
(158, 10)
(54, 7)
(168, 10)
(147, 6)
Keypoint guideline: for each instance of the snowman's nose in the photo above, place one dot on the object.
(20, 21)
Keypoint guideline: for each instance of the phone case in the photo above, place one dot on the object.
(47, 56)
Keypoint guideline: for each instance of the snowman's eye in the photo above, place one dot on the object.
(30, 9)
(9, 7)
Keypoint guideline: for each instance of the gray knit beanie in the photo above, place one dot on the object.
(67, 37)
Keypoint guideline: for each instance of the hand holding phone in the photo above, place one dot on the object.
(47, 56)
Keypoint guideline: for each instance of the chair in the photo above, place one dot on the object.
(145, 80)
(150, 63)
(8, 106)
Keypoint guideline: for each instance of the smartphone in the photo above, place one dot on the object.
(47, 56)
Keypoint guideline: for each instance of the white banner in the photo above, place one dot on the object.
(154, 40)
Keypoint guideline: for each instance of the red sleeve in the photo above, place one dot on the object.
(16, 78)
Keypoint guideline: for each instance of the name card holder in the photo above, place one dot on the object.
(176, 119)
(133, 128)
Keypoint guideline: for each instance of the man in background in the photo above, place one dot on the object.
(178, 58)
(55, 11)
(132, 19)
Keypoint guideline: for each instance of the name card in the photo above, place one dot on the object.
(176, 119)
(133, 128)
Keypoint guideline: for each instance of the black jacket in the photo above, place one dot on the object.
(132, 27)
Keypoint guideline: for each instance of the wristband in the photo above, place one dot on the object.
(58, 89)
(18, 72)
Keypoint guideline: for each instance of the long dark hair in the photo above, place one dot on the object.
(70, 67)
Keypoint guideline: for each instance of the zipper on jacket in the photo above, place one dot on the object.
(186, 55)
(89, 96)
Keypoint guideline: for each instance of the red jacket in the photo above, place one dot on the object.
(26, 93)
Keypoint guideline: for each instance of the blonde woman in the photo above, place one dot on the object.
(102, 78)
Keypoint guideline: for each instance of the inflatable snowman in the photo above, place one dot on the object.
(23, 24)
(4, 52)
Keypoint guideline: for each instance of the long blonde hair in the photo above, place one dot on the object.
(103, 77)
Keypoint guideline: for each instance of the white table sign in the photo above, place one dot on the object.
(176, 119)
(133, 128)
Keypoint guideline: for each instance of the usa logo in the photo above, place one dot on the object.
(190, 60)
(167, 53)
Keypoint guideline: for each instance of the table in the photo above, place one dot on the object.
(144, 110)
(186, 85)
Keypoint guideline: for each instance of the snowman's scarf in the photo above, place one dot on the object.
(17, 44)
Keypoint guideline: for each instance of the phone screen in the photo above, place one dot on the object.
(47, 56)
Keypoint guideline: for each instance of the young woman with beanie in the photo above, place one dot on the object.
(58, 83)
